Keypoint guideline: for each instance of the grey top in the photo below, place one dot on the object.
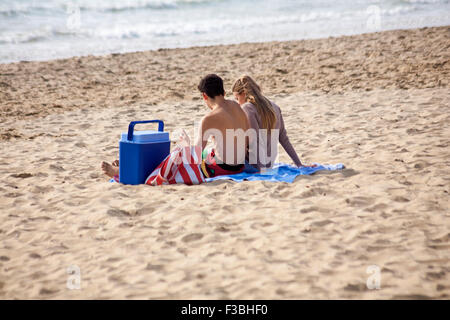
(262, 145)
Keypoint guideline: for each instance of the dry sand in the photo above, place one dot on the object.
(379, 103)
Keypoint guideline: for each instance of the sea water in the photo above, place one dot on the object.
(49, 29)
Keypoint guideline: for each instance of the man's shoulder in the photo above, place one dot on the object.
(232, 106)
(211, 118)
(233, 103)
(208, 118)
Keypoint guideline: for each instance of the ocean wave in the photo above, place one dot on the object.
(426, 1)
(184, 28)
(16, 7)
(26, 36)
(144, 29)
(398, 10)
(125, 5)
(34, 6)
(171, 28)
(109, 32)
(13, 8)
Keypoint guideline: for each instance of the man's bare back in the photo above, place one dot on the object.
(226, 124)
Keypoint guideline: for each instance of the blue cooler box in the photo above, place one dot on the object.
(140, 152)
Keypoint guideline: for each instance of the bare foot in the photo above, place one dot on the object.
(115, 163)
(110, 170)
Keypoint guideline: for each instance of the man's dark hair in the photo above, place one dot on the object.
(212, 85)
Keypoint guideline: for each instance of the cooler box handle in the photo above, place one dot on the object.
(133, 123)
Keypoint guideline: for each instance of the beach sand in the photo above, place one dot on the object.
(379, 103)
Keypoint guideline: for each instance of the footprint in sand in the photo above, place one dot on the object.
(42, 189)
(359, 287)
(80, 145)
(359, 201)
(321, 223)
(420, 165)
(192, 237)
(222, 229)
(280, 195)
(401, 199)
(377, 207)
(310, 209)
(85, 126)
(126, 225)
(411, 297)
(57, 168)
(228, 209)
(22, 175)
(118, 213)
(45, 291)
(155, 267)
(13, 195)
(314, 192)
(37, 275)
(441, 239)
(145, 210)
(349, 172)
(432, 276)
(40, 218)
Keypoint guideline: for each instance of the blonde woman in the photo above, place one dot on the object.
(265, 118)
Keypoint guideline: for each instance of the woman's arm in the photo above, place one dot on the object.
(284, 141)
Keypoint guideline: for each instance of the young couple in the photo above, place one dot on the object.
(244, 134)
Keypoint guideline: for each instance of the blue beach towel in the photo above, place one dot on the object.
(280, 172)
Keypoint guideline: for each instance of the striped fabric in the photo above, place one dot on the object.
(182, 165)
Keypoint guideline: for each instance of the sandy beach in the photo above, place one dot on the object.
(378, 103)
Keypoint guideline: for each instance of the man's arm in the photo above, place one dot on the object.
(204, 126)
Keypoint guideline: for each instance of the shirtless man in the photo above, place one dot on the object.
(226, 124)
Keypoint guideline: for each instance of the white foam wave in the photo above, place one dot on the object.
(15, 7)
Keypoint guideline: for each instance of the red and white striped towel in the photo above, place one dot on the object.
(182, 165)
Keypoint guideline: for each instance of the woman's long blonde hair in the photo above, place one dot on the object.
(254, 95)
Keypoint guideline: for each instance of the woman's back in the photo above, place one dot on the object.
(263, 150)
